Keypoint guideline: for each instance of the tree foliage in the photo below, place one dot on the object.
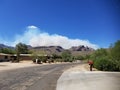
(42, 57)
(115, 53)
(107, 60)
(99, 53)
(80, 57)
(55, 56)
(21, 49)
(7, 51)
(66, 56)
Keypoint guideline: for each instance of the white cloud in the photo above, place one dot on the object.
(35, 37)
(32, 27)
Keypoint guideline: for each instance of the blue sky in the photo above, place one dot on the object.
(95, 23)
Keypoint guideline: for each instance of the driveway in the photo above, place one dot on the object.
(79, 78)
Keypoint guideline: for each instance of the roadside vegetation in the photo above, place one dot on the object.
(7, 51)
(21, 49)
(107, 59)
(104, 59)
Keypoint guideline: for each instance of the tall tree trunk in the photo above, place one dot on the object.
(18, 57)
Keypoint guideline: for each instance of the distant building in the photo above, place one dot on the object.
(5, 57)
(10, 57)
(23, 56)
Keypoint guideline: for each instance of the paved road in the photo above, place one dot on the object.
(33, 78)
(86, 80)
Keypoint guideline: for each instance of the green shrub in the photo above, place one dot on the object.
(34, 60)
(43, 59)
(80, 57)
(105, 64)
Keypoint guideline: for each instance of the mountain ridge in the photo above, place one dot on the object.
(75, 50)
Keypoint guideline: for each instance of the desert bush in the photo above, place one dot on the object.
(115, 54)
(104, 64)
(66, 56)
(80, 57)
(107, 59)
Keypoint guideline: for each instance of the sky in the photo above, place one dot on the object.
(66, 23)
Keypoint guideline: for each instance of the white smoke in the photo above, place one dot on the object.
(35, 37)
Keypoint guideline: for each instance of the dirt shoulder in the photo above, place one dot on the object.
(9, 66)
(83, 67)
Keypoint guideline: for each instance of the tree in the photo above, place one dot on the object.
(21, 49)
(66, 56)
(80, 57)
(99, 53)
(55, 56)
(115, 50)
(34, 56)
(108, 59)
(7, 51)
(115, 53)
(41, 56)
(101, 60)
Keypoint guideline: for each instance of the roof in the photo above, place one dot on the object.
(5, 54)
(21, 54)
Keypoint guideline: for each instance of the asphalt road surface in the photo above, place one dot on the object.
(33, 78)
